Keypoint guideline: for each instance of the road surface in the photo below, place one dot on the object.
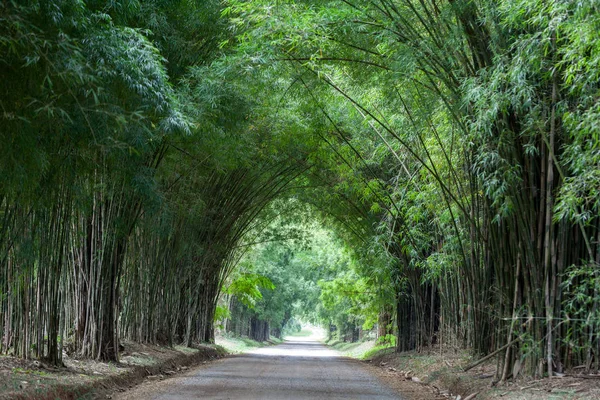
(296, 369)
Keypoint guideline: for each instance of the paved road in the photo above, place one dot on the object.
(299, 369)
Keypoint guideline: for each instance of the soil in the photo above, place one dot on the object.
(89, 379)
(419, 375)
(410, 390)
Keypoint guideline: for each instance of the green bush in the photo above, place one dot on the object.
(389, 340)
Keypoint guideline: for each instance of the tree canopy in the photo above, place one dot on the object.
(430, 167)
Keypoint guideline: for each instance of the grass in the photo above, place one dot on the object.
(443, 371)
(84, 379)
(378, 350)
(29, 371)
(240, 344)
(185, 349)
(362, 350)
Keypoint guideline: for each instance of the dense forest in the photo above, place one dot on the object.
(429, 167)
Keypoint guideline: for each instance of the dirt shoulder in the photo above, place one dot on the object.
(423, 376)
(88, 379)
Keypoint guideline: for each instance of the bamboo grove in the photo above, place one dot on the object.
(468, 128)
(451, 144)
(117, 221)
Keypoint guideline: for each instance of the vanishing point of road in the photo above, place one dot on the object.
(299, 368)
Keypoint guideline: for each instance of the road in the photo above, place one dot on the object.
(296, 369)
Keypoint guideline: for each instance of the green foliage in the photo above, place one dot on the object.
(389, 340)
(292, 326)
(246, 288)
(348, 164)
(221, 313)
(582, 285)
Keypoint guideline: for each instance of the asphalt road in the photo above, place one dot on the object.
(296, 369)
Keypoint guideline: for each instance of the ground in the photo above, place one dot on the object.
(418, 376)
(299, 368)
(88, 379)
(443, 375)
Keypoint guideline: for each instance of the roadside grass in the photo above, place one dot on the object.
(91, 379)
(240, 344)
(377, 351)
(274, 340)
(444, 371)
(361, 350)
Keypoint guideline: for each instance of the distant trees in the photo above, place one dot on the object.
(277, 278)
